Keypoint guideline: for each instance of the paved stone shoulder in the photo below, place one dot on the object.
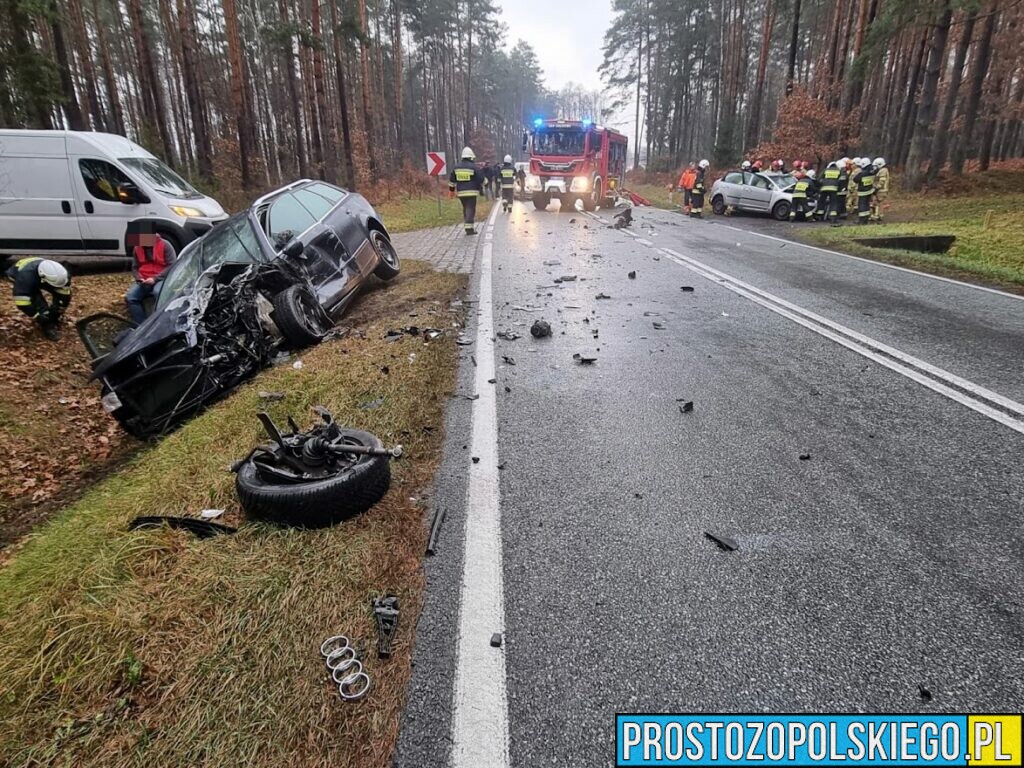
(447, 248)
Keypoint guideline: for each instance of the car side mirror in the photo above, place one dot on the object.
(295, 249)
(526, 142)
(129, 194)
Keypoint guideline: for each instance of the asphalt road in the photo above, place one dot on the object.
(889, 557)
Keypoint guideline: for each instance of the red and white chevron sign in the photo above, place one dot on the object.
(436, 163)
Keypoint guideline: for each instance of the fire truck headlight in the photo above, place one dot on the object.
(580, 184)
(533, 183)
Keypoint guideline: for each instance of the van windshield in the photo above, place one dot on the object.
(234, 240)
(163, 179)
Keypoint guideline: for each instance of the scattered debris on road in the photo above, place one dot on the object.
(435, 530)
(805, 457)
(723, 542)
(686, 407)
(508, 335)
(632, 275)
(540, 329)
(202, 529)
(925, 694)
(584, 359)
(686, 288)
(602, 296)
(211, 514)
(270, 396)
(508, 360)
(496, 640)
(346, 669)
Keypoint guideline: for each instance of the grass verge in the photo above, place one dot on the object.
(156, 649)
(403, 213)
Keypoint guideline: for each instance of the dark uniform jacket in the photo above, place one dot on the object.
(865, 179)
(508, 176)
(466, 179)
(830, 180)
(698, 183)
(29, 287)
(804, 185)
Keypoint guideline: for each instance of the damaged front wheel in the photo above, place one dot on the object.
(298, 316)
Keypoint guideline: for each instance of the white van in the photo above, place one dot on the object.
(74, 192)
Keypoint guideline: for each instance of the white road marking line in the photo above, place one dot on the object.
(866, 346)
(480, 711)
(876, 263)
(644, 242)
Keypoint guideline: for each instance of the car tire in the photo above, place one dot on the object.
(389, 265)
(320, 503)
(540, 201)
(718, 205)
(781, 211)
(295, 314)
(607, 203)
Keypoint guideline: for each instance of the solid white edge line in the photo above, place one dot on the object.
(480, 707)
(641, 241)
(934, 370)
(952, 394)
(876, 263)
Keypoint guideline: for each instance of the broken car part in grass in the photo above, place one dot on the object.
(345, 667)
(313, 478)
(385, 612)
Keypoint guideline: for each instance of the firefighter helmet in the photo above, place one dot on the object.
(745, 165)
(879, 162)
(508, 159)
(797, 165)
(811, 173)
(704, 164)
(52, 273)
(468, 154)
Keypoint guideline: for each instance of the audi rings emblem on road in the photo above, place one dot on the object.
(346, 669)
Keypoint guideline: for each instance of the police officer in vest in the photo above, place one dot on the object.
(151, 256)
(828, 197)
(507, 174)
(466, 183)
(34, 276)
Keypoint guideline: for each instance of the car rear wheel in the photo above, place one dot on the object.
(298, 316)
(781, 211)
(388, 266)
(718, 205)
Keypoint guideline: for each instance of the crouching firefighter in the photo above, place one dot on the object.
(508, 184)
(466, 182)
(32, 278)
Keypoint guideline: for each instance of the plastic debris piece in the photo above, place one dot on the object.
(723, 542)
(632, 275)
(805, 457)
(540, 329)
(211, 514)
(686, 407)
(496, 640)
(584, 359)
(271, 396)
(686, 288)
(602, 296)
(297, 365)
(385, 611)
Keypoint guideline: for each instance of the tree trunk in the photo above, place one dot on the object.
(193, 95)
(940, 143)
(921, 139)
(364, 76)
(976, 82)
(76, 120)
(82, 48)
(327, 128)
(906, 115)
(150, 85)
(754, 121)
(239, 100)
(396, 53)
(794, 42)
(339, 73)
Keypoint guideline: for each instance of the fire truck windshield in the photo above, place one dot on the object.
(559, 142)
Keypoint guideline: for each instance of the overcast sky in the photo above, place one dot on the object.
(566, 34)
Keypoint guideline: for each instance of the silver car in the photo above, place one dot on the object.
(769, 193)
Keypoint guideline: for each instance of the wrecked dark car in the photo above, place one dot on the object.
(279, 275)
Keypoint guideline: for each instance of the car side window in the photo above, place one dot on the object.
(733, 178)
(102, 179)
(326, 190)
(759, 181)
(313, 203)
(288, 218)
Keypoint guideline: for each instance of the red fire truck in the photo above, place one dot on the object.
(574, 160)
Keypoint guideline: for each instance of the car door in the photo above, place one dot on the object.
(732, 185)
(103, 218)
(323, 251)
(757, 193)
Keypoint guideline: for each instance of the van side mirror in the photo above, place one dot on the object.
(295, 249)
(129, 194)
(526, 142)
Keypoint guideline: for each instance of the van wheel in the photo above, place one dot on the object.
(718, 205)
(540, 201)
(781, 211)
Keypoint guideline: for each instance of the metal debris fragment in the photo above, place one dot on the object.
(723, 542)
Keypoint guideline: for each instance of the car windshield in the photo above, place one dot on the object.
(559, 142)
(234, 240)
(163, 179)
(782, 180)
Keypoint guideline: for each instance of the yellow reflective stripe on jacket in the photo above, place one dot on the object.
(27, 260)
(463, 174)
(467, 193)
(65, 291)
(22, 301)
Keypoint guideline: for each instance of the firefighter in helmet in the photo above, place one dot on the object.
(32, 277)
(466, 182)
(881, 189)
(697, 193)
(507, 175)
